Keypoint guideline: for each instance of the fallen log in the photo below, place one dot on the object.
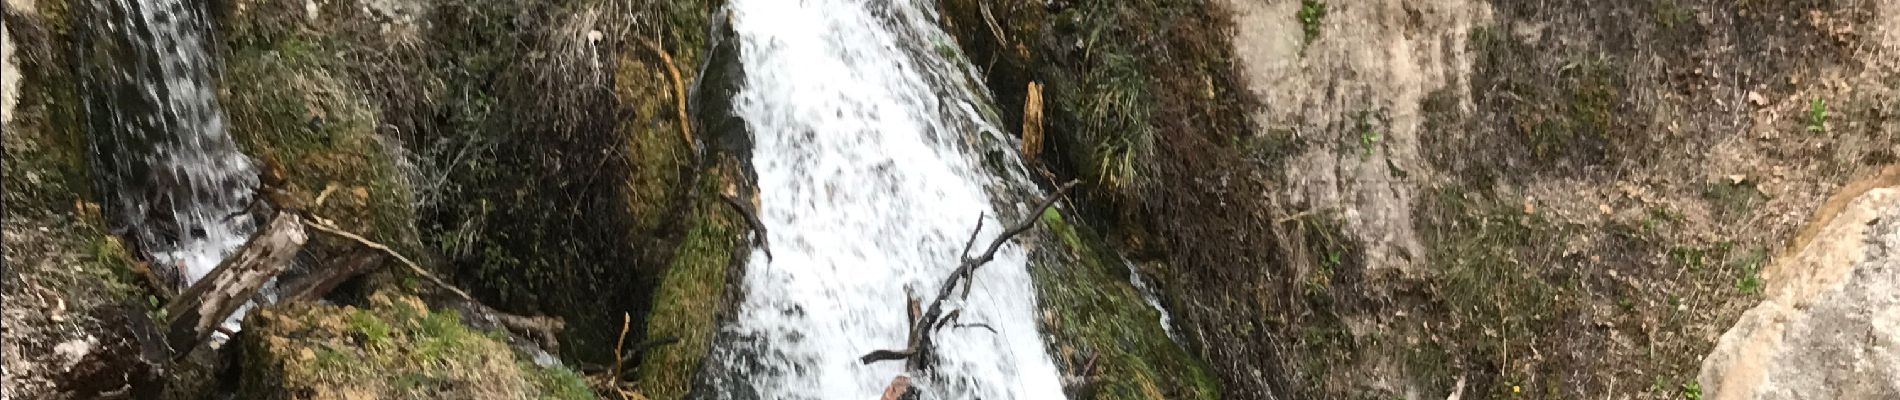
(324, 280)
(197, 312)
(919, 351)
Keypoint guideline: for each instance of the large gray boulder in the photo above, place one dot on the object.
(1829, 327)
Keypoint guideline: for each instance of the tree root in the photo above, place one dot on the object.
(751, 219)
(679, 90)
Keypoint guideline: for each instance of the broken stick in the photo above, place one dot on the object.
(324, 280)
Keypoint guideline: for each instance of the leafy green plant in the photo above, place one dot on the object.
(1817, 115)
(373, 329)
(1692, 391)
(1368, 137)
(1312, 12)
(1691, 257)
(1748, 279)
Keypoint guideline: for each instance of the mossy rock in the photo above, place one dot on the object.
(1143, 101)
(1093, 313)
(693, 294)
(48, 164)
(285, 106)
(395, 348)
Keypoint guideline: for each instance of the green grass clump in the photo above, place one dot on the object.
(1117, 118)
(1817, 115)
(1369, 137)
(1748, 271)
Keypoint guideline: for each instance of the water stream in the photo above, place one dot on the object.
(175, 180)
(867, 139)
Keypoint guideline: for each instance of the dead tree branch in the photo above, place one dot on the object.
(324, 280)
(324, 226)
(918, 352)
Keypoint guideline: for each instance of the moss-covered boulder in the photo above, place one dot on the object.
(287, 105)
(1097, 319)
(47, 152)
(693, 297)
(394, 348)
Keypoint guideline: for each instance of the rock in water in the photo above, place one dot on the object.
(1830, 325)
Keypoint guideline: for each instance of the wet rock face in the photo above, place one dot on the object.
(1830, 327)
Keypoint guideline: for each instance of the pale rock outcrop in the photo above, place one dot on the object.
(1374, 65)
(1830, 325)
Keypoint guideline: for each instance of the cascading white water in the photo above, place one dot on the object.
(181, 181)
(863, 134)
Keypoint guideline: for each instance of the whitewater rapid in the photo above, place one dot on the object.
(865, 132)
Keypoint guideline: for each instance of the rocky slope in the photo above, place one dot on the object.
(1451, 198)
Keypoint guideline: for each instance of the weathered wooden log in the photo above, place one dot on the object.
(196, 313)
(324, 280)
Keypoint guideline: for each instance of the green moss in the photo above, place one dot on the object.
(1141, 100)
(1099, 314)
(559, 383)
(395, 348)
(686, 305)
(48, 169)
(290, 104)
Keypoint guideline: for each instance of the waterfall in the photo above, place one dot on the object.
(174, 179)
(867, 135)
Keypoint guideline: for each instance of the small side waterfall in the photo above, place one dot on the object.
(173, 178)
(866, 148)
